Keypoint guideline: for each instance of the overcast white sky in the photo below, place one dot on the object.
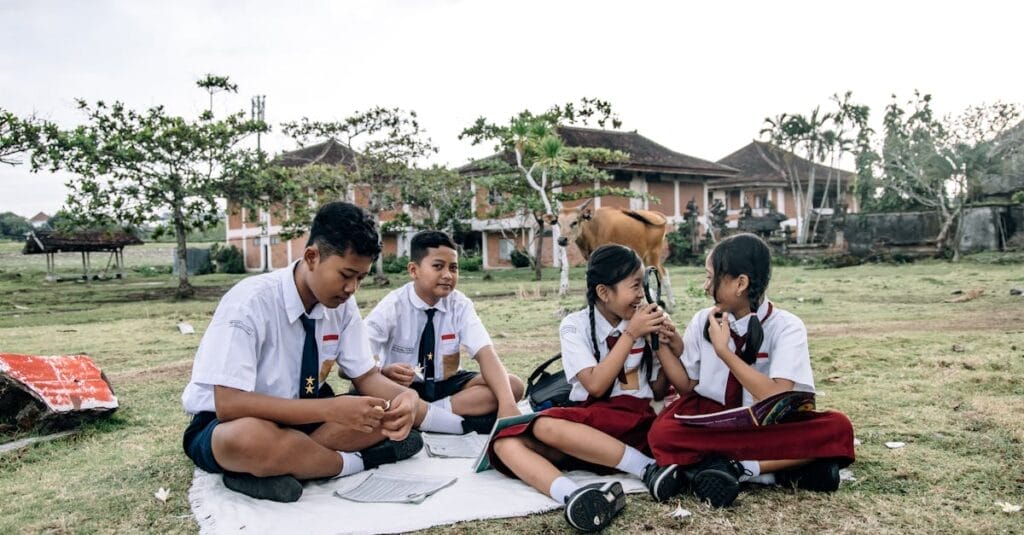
(697, 77)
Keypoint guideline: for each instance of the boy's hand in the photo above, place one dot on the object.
(398, 419)
(403, 374)
(359, 413)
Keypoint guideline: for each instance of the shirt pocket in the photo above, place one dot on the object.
(329, 346)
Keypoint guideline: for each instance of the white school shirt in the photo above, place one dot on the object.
(578, 354)
(783, 353)
(254, 342)
(395, 325)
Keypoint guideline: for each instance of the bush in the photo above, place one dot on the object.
(470, 262)
(395, 264)
(519, 258)
(228, 259)
(680, 250)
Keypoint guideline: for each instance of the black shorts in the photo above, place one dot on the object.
(198, 438)
(445, 388)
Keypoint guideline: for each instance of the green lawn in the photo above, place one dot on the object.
(946, 378)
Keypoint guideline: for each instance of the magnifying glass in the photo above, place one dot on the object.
(652, 291)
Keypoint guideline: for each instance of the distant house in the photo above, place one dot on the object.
(763, 181)
(1009, 148)
(259, 237)
(39, 220)
(674, 178)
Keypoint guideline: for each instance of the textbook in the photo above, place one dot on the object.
(396, 488)
(482, 462)
(770, 410)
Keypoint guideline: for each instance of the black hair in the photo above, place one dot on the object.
(608, 265)
(340, 227)
(744, 254)
(428, 239)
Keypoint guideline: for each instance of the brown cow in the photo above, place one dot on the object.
(640, 230)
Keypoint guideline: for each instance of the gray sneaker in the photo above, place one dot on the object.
(274, 488)
(663, 482)
(592, 507)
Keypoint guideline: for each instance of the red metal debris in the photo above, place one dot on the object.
(62, 383)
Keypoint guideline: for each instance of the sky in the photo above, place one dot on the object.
(697, 77)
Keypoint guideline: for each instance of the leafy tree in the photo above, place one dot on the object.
(819, 137)
(534, 168)
(386, 145)
(938, 163)
(13, 226)
(134, 165)
(16, 136)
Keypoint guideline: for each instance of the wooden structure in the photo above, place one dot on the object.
(87, 242)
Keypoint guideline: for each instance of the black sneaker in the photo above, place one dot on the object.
(664, 482)
(389, 451)
(479, 424)
(275, 488)
(820, 475)
(716, 480)
(592, 507)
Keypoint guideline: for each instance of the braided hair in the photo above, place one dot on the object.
(744, 254)
(608, 265)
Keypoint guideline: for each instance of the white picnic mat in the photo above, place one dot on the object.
(473, 497)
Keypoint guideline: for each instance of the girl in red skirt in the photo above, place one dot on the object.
(737, 352)
(614, 375)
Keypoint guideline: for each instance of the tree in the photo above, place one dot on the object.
(16, 136)
(13, 226)
(938, 163)
(386, 145)
(818, 138)
(534, 167)
(134, 165)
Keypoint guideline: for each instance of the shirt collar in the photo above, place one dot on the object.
(292, 301)
(740, 326)
(414, 298)
(603, 328)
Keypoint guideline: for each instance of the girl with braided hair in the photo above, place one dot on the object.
(614, 377)
(737, 352)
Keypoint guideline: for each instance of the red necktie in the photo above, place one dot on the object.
(733, 388)
(611, 341)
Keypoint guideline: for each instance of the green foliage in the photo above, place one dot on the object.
(227, 259)
(680, 248)
(13, 226)
(16, 136)
(1018, 197)
(395, 264)
(470, 262)
(519, 258)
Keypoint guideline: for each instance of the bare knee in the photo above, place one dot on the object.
(549, 430)
(251, 443)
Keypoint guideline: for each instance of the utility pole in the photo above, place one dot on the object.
(259, 106)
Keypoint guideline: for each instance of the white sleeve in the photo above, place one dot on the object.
(229, 351)
(354, 356)
(472, 332)
(378, 324)
(693, 339)
(790, 358)
(577, 349)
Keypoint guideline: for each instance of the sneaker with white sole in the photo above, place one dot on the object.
(592, 507)
(716, 480)
(663, 482)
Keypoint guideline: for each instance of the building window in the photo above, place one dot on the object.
(505, 248)
(494, 198)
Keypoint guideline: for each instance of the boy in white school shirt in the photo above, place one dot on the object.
(261, 412)
(416, 331)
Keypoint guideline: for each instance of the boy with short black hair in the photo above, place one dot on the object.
(261, 411)
(416, 331)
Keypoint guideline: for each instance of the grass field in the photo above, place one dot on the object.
(887, 349)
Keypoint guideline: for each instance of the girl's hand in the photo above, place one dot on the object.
(719, 331)
(647, 319)
(669, 336)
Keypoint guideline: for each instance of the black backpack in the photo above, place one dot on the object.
(547, 389)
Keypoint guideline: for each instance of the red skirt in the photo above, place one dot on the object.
(625, 418)
(809, 435)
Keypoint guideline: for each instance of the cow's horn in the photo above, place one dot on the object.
(585, 205)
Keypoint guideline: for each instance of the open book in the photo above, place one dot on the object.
(482, 462)
(770, 410)
(395, 488)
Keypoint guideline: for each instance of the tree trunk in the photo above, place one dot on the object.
(947, 223)
(379, 277)
(185, 290)
(538, 250)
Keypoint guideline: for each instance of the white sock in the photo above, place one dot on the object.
(351, 463)
(764, 479)
(441, 421)
(633, 462)
(443, 403)
(753, 469)
(561, 488)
